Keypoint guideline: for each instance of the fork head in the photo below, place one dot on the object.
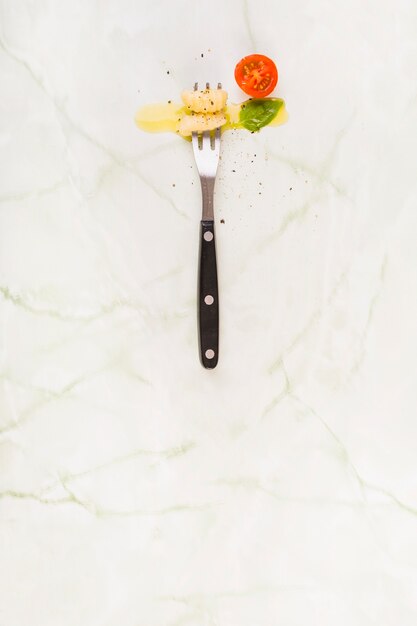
(206, 147)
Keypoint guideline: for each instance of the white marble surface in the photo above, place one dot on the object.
(136, 488)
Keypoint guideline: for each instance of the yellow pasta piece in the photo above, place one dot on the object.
(200, 122)
(206, 101)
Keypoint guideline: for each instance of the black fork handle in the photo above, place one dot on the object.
(208, 297)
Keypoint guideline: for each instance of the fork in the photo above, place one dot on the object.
(206, 147)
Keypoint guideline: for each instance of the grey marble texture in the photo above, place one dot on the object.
(136, 488)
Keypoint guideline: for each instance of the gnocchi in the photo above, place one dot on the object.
(200, 122)
(205, 101)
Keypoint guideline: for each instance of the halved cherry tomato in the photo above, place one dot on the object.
(256, 75)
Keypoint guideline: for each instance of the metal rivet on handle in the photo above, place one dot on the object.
(208, 235)
(209, 354)
(209, 299)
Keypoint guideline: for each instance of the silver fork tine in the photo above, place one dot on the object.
(206, 140)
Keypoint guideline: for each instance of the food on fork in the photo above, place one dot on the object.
(252, 115)
(204, 101)
(204, 110)
(207, 109)
(198, 122)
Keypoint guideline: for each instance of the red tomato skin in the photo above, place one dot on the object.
(268, 65)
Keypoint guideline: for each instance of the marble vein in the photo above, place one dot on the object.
(165, 454)
(94, 509)
(48, 396)
(289, 391)
(247, 20)
(33, 194)
(116, 159)
(106, 309)
(371, 310)
(344, 455)
(22, 495)
(321, 173)
(311, 322)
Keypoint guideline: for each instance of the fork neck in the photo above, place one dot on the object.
(207, 190)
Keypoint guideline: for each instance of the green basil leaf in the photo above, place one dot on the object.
(255, 114)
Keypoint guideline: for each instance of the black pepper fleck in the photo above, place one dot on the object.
(221, 221)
